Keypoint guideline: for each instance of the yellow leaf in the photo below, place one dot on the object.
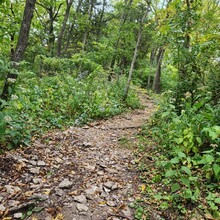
(59, 217)
(143, 187)
(34, 218)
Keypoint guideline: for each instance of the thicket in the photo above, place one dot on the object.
(59, 98)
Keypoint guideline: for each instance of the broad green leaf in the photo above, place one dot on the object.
(185, 181)
(186, 170)
(170, 173)
(178, 140)
(209, 158)
(216, 169)
(175, 187)
(174, 160)
(181, 154)
(217, 200)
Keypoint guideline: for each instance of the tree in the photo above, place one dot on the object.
(63, 27)
(136, 50)
(21, 44)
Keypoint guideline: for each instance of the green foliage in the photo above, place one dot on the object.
(189, 146)
(38, 104)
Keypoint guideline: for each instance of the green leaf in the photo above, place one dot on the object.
(175, 187)
(181, 154)
(185, 181)
(216, 169)
(174, 160)
(209, 158)
(178, 140)
(217, 200)
(186, 170)
(170, 173)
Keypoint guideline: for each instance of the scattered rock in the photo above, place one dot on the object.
(36, 180)
(12, 203)
(35, 170)
(65, 184)
(81, 199)
(111, 203)
(12, 189)
(17, 215)
(2, 208)
(108, 184)
(41, 163)
(81, 207)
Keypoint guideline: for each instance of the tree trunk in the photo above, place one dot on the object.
(156, 83)
(70, 32)
(152, 57)
(90, 9)
(60, 37)
(122, 22)
(135, 54)
(21, 44)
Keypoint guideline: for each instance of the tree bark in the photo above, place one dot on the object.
(135, 53)
(90, 9)
(156, 83)
(21, 44)
(60, 37)
(70, 32)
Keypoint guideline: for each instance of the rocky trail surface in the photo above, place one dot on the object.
(82, 173)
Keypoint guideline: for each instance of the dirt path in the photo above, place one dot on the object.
(79, 174)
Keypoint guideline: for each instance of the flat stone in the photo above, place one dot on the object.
(41, 163)
(17, 215)
(100, 173)
(35, 170)
(127, 212)
(111, 203)
(111, 171)
(39, 196)
(36, 180)
(81, 199)
(2, 208)
(81, 207)
(13, 203)
(108, 184)
(12, 189)
(65, 184)
(92, 190)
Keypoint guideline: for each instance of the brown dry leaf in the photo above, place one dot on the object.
(28, 193)
(20, 165)
(209, 216)
(73, 193)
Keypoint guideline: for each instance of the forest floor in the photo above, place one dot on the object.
(82, 173)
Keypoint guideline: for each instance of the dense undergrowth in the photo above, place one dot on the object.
(59, 98)
(180, 160)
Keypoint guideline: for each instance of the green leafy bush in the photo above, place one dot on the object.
(38, 104)
(190, 144)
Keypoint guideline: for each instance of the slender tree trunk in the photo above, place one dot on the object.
(60, 37)
(135, 54)
(122, 22)
(70, 32)
(152, 56)
(90, 9)
(156, 83)
(21, 44)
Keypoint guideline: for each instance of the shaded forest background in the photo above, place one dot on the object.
(69, 62)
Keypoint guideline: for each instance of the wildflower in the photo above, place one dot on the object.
(188, 94)
(7, 118)
(11, 80)
(14, 97)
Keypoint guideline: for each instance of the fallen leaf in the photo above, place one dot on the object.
(209, 216)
